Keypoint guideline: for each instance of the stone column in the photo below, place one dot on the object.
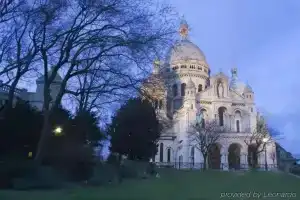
(224, 158)
(224, 162)
(244, 160)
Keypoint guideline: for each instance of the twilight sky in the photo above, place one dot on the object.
(260, 38)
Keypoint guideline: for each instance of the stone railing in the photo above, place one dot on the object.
(5, 89)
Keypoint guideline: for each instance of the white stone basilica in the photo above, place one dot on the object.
(188, 87)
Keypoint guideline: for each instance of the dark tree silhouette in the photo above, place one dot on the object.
(135, 130)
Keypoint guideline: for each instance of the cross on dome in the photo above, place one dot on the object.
(184, 28)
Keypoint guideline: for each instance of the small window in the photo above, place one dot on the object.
(161, 152)
(205, 70)
(183, 86)
(237, 126)
(199, 88)
(251, 109)
(169, 155)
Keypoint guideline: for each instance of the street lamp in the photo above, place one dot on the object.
(58, 131)
(265, 140)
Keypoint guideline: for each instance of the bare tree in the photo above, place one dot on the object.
(96, 37)
(259, 138)
(9, 11)
(19, 53)
(204, 135)
(8, 8)
(97, 89)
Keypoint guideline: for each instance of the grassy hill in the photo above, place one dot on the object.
(179, 185)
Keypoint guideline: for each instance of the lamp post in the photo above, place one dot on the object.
(265, 140)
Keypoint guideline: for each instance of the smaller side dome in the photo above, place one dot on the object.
(248, 89)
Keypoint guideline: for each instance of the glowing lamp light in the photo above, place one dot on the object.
(265, 140)
(157, 62)
(58, 131)
(29, 154)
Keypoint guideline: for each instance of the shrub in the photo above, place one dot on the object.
(38, 177)
(151, 169)
(295, 170)
(134, 169)
(12, 169)
(104, 174)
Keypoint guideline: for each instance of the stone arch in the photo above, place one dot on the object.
(221, 113)
(237, 120)
(234, 155)
(161, 152)
(175, 90)
(169, 155)
(183, 87)
(252, 155)
(214, 156)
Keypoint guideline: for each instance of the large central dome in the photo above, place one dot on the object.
(185, 50)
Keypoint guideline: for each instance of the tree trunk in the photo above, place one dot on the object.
(43, 138)
(205, 164)
(45, 133)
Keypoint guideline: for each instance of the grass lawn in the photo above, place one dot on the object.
(177, 185)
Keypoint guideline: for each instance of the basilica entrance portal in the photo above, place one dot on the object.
(234, 155)
(214, 157)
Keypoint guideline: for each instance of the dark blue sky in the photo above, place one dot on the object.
(261, 39)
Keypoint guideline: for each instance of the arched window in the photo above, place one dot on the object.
(199, 88)
(221, 112)
(174, 90)
(183, 85)
(238, 118)
(156, 104)
(238, 126)
(193, 156)
(169, 155)
(161, 152)
(160, 105)
(202, 123)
